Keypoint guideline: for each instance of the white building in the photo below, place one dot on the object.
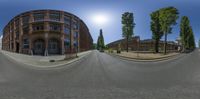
(1, 41)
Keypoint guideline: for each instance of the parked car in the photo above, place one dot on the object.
(101, 50)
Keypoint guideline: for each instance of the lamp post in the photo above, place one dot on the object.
(76, 48)
(46, 44)
(138, 45)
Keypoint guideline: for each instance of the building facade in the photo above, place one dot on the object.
(46, 32)
(135, 44)
(87, 42)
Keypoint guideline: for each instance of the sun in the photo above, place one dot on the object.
(100, 19)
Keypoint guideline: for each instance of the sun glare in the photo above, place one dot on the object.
(100, 19)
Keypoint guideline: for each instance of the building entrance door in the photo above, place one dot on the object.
(53, 47)
(17, 47)
(39, 47)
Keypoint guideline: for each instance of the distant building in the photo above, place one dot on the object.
(178, 41)
(135, 44)
(132, 44)
(1, 41)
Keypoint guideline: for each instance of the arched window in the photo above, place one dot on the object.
(53, 46)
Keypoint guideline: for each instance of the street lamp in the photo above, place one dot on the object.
(138, 45)
(46, 46)
(76, 48)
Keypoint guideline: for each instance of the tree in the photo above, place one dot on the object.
(199, 43)
(102, 45)
(127, 27)
(100, 41)
(191, 39)
(94, 46)
(186, 34)
(156, 29)
(167, 18)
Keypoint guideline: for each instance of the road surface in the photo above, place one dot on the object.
(101, 76)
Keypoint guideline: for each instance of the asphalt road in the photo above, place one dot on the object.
(101, 76)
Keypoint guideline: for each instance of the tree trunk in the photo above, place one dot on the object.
(183, 49)
(157, 45)
(126, 44)
(165, 44)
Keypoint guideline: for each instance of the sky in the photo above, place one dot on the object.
(106, 14)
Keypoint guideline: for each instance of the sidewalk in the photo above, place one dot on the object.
(145, 56)
(43, 61)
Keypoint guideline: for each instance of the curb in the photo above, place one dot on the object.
(47, 67)
(146, 60)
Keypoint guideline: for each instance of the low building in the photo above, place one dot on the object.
(135, 44)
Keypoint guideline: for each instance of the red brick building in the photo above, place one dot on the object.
(87, 42)
(135, 44)
(46, 32)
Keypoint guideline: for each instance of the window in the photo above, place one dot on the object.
(25, 43)
(67, 42)
(17, 35)
(38, 17)
(75, 26)
(25, 20)
(55, 16)
(54, 27)
(38, 27)
(25, 29)
(75, 43)
(67, 20)
(75, 35)
(17, 23)
(66, 30)
(53, 45)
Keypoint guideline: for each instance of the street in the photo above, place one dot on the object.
(101, 76)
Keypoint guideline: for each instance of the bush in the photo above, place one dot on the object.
(118, 51)
(119, 48)
(110, 50)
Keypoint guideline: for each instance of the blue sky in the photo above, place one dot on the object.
(86, 9)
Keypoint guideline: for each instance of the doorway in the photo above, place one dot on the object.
(39, 47)
(17, 47)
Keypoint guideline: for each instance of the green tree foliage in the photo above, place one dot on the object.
(156, 29)
(102, 45)
(167, 18)
(94, 46)
(100, 41)
(184, 31)
(186, 34)
(191, 39)
(127, 27)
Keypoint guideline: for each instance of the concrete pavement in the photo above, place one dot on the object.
(146, 57)
(101, 76)
(43, 62)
